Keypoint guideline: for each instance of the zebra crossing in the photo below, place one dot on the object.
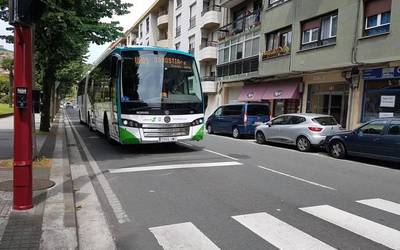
(284, 236)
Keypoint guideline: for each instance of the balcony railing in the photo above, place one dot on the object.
(162, 12)
(210, 8)
(205, 44)
(192, 22)
(208, 78)
(178, 31)
(246, 65)
(240, 25)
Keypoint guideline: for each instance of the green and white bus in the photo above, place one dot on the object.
(139, 94)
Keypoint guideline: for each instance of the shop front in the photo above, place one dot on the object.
(283, 95)
(381, 93)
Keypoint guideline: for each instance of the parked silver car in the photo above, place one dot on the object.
(302, 130)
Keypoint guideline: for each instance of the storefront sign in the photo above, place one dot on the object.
(388, 101)
(280, 51)
(278, 93)
(382, 73)
(386, 115)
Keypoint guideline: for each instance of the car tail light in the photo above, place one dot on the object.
(315, 129)
(245, 118)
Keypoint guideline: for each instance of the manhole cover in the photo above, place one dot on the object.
(38, 184)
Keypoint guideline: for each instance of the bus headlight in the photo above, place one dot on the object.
(130, 123)
(197, 122)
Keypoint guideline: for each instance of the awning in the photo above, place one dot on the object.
(252, 93)
(288, 89)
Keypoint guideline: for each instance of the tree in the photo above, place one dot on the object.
(8, 65)
(63, 35)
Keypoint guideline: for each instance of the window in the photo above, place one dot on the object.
(377, 15)
(319, 31)
(178, 25)
(141, 30)
(373, 128)
(258, 110)
(147, 25)
(281, 120)
(232, 110)
(273, 3)
(394, 128)
(178, 3)
(191, 44)
(296, 120)
(218, 112)
(280, 38)
(177, 46)
(192, 20)
(325, 120)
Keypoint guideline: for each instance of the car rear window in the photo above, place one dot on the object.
(325, 120)
(257, 110)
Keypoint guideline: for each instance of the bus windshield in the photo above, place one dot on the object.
(154, 80)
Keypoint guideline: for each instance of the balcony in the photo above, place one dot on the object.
(208, 51)
(162, 19)
(162, 40)
(246, 23)
(209, 84)
(230, 3)
(211, 17)
(239, 67)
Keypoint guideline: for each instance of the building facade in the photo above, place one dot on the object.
(332, 57)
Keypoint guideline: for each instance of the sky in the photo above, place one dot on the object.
(126, 21)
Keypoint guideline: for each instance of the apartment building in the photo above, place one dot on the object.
(190, 26)
(334, 57)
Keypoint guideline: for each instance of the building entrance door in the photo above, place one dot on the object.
(331, 100)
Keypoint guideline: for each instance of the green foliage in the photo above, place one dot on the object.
(4, 87)
(68, 77)
(5, 109)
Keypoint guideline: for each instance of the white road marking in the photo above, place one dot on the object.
(376, 232)
(182, 236)
(226, 156)
(113, 200)
(174, 166)
(279, 233)
(382, 204)
(297, 178)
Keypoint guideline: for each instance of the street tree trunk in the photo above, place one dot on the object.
(48, 81)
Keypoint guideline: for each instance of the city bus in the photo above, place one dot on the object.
(136, 95)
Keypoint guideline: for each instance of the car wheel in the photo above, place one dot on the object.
(260, 138)
(337, 150)
(209, 129)
(235, 133)
(303, 144)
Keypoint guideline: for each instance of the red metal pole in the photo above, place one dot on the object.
(23, 119)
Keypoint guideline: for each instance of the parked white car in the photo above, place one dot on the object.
(302, 130)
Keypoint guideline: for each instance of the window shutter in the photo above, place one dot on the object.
(316, 23)
(375, 7)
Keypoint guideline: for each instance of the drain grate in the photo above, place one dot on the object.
(38, 184)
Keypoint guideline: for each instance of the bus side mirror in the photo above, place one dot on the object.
(115, 62)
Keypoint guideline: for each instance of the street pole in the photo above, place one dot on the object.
(22, 118)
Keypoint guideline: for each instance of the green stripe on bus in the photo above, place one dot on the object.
(127, 137)
(199, 135)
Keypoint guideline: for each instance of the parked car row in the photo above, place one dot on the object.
(379, 139)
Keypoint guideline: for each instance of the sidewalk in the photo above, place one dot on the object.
(51, 224)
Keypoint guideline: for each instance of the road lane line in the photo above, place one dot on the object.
(182, 236)
(226, 156)
(174, 166)
(297, 178)
(279, 233)
(382, 204)
(112, 198)
(371, 230)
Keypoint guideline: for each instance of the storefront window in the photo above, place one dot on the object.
(381, 99)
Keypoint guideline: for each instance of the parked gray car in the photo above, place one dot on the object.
(302, 130)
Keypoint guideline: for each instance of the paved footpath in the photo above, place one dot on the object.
(51, 224)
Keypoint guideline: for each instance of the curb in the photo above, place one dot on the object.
(6, 115)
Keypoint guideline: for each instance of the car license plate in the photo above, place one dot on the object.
(167, 139)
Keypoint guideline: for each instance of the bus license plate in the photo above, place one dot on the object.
(167, 139)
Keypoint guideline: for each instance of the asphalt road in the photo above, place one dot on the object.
(223, 193)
